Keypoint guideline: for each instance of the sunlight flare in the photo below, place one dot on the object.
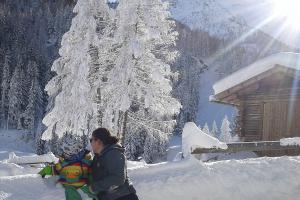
(289, 10)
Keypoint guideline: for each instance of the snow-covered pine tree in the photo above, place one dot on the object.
(225, 135)
(53, 144)
(4, 90)
(34, 110)
(17, 97)
(138, 93)
(104, 54)
(206, 129)
(214, 131)
(155, 147)
(122, 62)
(70, 89)
(131, 146)
(199, 126)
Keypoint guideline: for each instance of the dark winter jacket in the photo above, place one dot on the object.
(109, 170)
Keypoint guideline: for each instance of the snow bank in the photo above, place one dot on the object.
(193, 137)
(46, 158)
(31, 187)
(290, 141)
(260, 178)
(286, 59)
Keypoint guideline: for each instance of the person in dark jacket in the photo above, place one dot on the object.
(109, 168)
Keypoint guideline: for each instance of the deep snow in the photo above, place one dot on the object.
(248, 179)
(260, 178)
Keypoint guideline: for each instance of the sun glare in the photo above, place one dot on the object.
(289, 10)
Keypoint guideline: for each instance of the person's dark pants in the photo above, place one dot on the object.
(129, 197)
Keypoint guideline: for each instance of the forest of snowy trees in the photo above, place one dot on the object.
(30, 33)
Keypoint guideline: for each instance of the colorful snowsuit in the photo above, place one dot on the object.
(74, 173)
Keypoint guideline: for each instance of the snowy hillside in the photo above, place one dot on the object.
(257, 13)
(219, 17)
(209, 16)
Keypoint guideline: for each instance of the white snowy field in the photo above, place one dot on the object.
(254, 178)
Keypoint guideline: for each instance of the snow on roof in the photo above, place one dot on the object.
(286, 59)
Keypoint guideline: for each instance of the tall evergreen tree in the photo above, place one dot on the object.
(17, 97)
(6, 76)
(114, 72)
(214, 131)
(70, 90)
(34, 110)
(206, 129)
(225, 135)
(138, 93)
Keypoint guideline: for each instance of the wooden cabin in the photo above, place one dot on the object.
(267, 96)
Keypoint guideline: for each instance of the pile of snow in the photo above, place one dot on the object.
(260, 178)
(290, 141)
(285, 59)
(193, 137)
(46, 158)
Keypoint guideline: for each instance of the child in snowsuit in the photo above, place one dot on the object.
(74, 173)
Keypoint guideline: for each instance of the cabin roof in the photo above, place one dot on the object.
(287, 60)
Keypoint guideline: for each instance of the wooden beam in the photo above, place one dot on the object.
(234, 103)
(248, 146)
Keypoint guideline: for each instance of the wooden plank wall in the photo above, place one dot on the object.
(270, 120)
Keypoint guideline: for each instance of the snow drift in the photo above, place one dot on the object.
(46, 158)
(193, 137)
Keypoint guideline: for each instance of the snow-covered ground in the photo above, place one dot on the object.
(252, 178)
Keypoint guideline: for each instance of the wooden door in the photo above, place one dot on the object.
(281, 119)
(275, 120)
